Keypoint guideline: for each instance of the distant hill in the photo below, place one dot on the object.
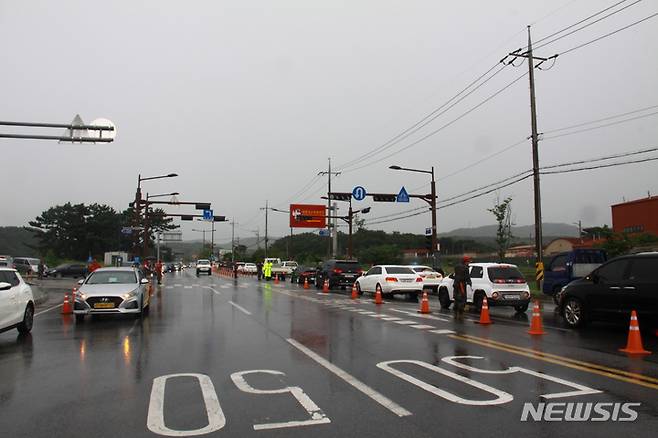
(17, 242)
(523, 232)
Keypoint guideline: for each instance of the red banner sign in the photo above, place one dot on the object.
(308, 216)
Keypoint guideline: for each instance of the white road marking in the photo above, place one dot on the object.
(188, 287)
(225, 286)
(178, 285)
(405, 322)
(48, 310)
(442, 332)
(379, 315)
(240, 308)
(354, 310)
(501, 396)
(580, 389)
(422, 326)
(420, 315)
(214, 290)
(353, 381)
(366, 312)
(391, 318)
(168, 287)
(155, 418)
(316, 414)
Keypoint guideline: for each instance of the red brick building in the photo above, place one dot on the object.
(639, 216)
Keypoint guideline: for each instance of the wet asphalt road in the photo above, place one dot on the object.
(219, 357)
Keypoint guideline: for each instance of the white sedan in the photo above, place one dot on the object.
(391, 279)
(16, 302)
(431, 278)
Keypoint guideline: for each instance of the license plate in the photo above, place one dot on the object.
(104, 306)
(349, 276)
(406, 280)
(511, 297)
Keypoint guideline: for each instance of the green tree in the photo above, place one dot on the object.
(502, 211)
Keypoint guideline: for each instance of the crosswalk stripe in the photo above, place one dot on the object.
(422, 326)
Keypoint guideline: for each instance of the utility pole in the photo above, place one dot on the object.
(267, 210)
(535, 155)
(233, 240)
(335, 230)
(331, 230)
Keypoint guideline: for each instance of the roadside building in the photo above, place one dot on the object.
(638, 216)
(566, 244)
(520, 251)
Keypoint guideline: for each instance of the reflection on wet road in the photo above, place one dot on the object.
(223, 357)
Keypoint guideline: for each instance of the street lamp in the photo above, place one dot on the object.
(432, 205)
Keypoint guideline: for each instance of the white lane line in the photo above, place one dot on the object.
(353, 381)
(214, 290)
(442, 332)
(168, 287)
(367, 312)
(225, 286)
(404, 322)
(420, 315)
(391, 318)
(354, 310)
(378, 315)
(188, 287)
(178, 285)
(48, 310)
(240, 308)
(422, 326)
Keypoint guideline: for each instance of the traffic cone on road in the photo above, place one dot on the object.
(378, 296)
(66, 307)
(634, 344)
(276, 279)
(306, 286)
(484, 314)
(536, 326)
(355, 292)
(325, 286)
(424, 304)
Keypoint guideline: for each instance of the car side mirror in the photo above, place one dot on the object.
(81, 281)
(144, 281)
(5, 286)
(594, 277)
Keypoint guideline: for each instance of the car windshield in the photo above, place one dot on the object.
(399, 270)
(348, 266)
(33, 261)
(422, 269)
(203, 262)
(505, 273)
(112, 277)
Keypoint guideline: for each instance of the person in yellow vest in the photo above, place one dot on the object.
(267, 270)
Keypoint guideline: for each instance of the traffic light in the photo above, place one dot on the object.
(202, 206)
(340, 196)
(219, 218)
(187, 217)
(384, 197)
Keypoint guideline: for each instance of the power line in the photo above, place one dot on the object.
(618, 122)
(608, 34)
(436, 131)
(601, 166)
(428, 118)
(521, 178)
(368, 220)
(396, 219)
(616, 116)
(594, 160)
(586, 25)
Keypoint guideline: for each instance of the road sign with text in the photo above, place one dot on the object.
(308, 216)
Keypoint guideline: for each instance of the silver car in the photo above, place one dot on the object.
(112, 290)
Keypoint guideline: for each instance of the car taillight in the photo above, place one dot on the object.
(391, 279)
(499, 281)
(520, 281)
(419, 279)
(338, 271)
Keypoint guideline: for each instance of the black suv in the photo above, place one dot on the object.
(613, 290)
(341, 273)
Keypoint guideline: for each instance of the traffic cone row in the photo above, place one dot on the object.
(378, 296)
(484, 313)
(276, 279)
(634, 343)
(355, 292)
(306, 285)
(67, 309)
(536, 326)
(424, 304)
(325, 286)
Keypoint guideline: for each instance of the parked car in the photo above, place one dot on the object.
(250, 268)
(304, 273)
(26, 265)
(568, 266)
(112, 290)
(74, 270)
(204, 266)
(16, 302)
(503, 285)
(6, 261)
(391, 280)
(613, 290)
(340, 273)
(431, 278)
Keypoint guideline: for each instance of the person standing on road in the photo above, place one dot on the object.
(93, 266)
(267, 270)
(158, 271)
(259, 270)
(41, 269)
(461, 282)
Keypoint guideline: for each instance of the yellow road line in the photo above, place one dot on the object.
(558, 360)
(573, 361)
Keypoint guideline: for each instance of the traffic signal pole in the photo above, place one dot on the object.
(435, 242)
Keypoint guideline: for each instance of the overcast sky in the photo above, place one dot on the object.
(246, 100)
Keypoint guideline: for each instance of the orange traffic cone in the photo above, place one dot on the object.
(325, 286)
(306, 286)
(424, 304)
(536, 326)
(276, 279)
(484, 314)
(355, 292)
(378, 296)
(634, 344)
(66, 307)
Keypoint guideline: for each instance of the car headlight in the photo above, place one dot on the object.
(81, 295)
(129, 295)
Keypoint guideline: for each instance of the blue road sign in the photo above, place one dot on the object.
(428, 231)
(323, 232)
(137, 260)
(207, 215)
(127, 230)
(359, 193)
(403, 196)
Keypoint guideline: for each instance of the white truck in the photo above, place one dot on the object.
(282, 269)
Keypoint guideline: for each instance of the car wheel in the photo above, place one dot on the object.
(197, 273)
(556, 291)
(444, 298)
(79, 319)
(477, 301)
(521, 308)
(413, 297)
(28, 319)
(358, 289)
(574, 312)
